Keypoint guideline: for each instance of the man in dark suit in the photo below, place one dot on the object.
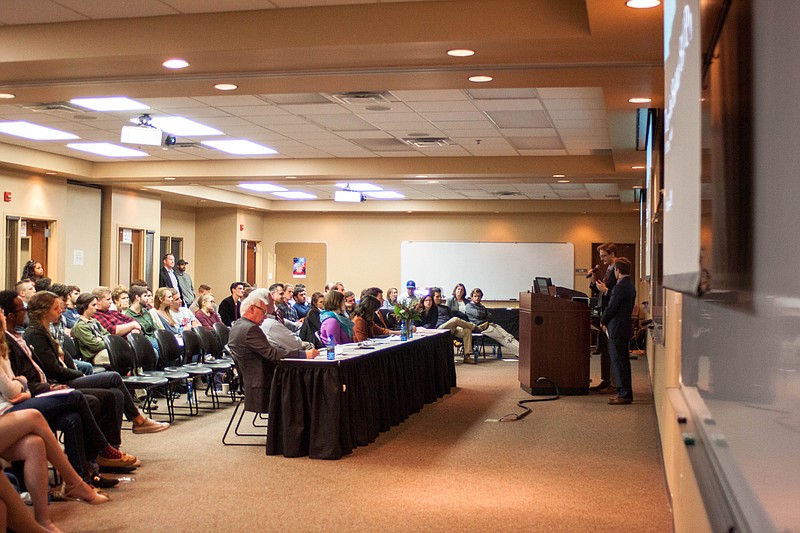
(166, 275)
(253, 354)
(617, 324)
(608, 255)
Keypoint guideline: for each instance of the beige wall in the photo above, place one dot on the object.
(364, 249)
(42, 198)
(180, 222)
(82, 236)
(216, 250)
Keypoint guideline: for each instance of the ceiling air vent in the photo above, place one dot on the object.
(428, 142)
(64, 107)
(362, 98)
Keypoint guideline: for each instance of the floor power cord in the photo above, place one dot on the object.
(513, 417)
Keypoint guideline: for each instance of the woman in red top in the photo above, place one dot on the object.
(206, 314)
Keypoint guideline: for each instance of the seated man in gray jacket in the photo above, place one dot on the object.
(477, 314)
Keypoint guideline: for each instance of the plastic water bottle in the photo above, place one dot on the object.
(189, 391)
(331, 349)
(403, 335)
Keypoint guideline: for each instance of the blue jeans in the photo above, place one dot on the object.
(84, 367)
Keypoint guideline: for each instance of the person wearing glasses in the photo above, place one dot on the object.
(604, 286)
(206, 314)
(253, 353)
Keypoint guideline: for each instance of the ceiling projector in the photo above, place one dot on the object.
(349, 196)
(145, 134)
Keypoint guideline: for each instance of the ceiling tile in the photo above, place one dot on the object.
(509, 105)
(574, 103)
(520, 119)
(438, 106)
(570, 92)
(472, 116)
(315, 109)
(430, 96)
(342, 122)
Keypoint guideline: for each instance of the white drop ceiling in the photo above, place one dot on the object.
(502, 140)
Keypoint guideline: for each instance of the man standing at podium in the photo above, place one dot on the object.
(617, 324)
(608, 254)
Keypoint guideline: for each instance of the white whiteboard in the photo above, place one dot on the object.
(501, 269)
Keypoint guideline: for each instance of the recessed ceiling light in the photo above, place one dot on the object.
(35, 132)
(409, 212)
(295, 195)
(291, 177)
(262, 187)
(181, 126)
(114, 103)
(7, 96)
(638, 167)
(385, 195)
(480, 79)
(563, 181)
(432, 182)
(461, 52)
(170, 179)
(422, 176)
(240, 147)
(107, 150)
(559, 175)
(226, 87)
(642, 4)
(360, 187)
(175, 63)
(640, 100)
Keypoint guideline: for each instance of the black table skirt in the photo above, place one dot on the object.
(324, 409)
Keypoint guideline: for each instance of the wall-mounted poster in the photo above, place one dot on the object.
(299, 267)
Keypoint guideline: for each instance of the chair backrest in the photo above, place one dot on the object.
(210, 342)
(192, 347)
(69, 347)
(145, 353)
(222, 332)
(171, 354)
(120, 355)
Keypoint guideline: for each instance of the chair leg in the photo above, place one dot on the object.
(240, 406)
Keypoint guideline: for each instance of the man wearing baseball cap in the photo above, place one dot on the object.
(185, 282)
(409, 296)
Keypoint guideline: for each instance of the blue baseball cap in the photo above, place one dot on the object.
(411, 284)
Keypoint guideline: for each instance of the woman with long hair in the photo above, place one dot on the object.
(33, 270)
(429, 313)
(364, 326)
(334, 324)
(88, 333)
(391, 298)
(457, 302)
(162, 301)
(206, 314)
(311, 324)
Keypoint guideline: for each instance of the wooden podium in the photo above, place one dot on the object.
(553, 343)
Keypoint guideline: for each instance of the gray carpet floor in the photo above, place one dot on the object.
(575, 464)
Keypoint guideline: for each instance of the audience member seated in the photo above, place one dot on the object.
(120, 298)
(42, 284)
(410, 295)
(57, 365)
(180, 314)
(334, 324)
(280, 337)
(391, 298)
(229, 308)
(301, 304)
(201, 290)
(206, 315)
(380, 317)
(32, 270)
(112, 320)
(137, 311)
(162, 302)
(254, 355)
(283, 313)
(458, 327)
(478, 315)
(67, 412)
(349, 303)
(88, 333)
(70, 315)
(309, 332)
(364, 315)
(429, 315)
(458, 300)
(25, 436)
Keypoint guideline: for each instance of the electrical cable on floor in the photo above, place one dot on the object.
(513, 417)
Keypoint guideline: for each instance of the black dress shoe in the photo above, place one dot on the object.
(602, 385)
(102, 482)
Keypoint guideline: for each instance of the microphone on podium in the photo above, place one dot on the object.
(592, 271)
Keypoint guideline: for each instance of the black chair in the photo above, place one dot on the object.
(71, 349)
(123, 361)
(214, 358)
(223, 332)
(172, 359)
(147, 359)
(241, 408)
(195, 354)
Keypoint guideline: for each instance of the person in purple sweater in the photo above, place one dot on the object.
(333, 322)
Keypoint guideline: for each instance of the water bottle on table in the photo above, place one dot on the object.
(403, 333)
(331, 349)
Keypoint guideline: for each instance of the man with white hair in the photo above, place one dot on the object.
(253, 353)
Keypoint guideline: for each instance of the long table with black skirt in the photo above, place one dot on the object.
(324, 409)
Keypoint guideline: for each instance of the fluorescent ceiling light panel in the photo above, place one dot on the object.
(262, 187)
(240, 147)
(385, 195)
(113, 103)
(107, 149)
(295, 195)
(182, 126)
(34, 131)
(362, 187)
